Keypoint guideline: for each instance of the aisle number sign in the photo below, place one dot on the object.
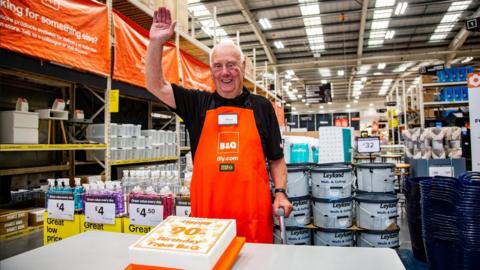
(368, 145)
(60, 206)
(58, 229)
(473, 81)
(146, 212)
(100, 210)
(114, 100)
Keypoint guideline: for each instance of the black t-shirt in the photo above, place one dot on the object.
(192, 106)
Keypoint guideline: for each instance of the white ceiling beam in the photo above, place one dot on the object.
(361, 35)
(256, 29)
(458, 40)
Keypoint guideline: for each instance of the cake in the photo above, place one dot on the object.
(184, 243)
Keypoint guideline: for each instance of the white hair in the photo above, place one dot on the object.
(227, 42)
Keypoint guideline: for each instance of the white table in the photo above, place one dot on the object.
(105, 250)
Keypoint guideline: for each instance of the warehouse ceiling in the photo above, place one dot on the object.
(364, 48)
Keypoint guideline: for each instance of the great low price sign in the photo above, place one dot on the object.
(70, 32)
(473, 80)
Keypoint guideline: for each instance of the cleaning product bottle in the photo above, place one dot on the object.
(78, 195)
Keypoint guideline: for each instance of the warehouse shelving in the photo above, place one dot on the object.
(50, 147)
(138, 161)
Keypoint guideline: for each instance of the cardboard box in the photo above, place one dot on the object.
(35, 216)
(12, 229)
(18, 127)
(9, 215)
(178, 10)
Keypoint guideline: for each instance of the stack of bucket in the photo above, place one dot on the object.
(332, 205)
(451, 221)
(414, 216)
(376, 206)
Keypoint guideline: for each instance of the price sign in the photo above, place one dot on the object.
(368, 145)
(60, 206)
(440, 171)
(100, 212)
(145, 214)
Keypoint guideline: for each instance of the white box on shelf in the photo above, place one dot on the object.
(95, 130)
(52, 114)
(19, 127)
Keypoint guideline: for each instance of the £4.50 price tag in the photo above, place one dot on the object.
(97, 212)
(60, 207)
(145, 214)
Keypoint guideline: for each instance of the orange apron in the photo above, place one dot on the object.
(229, 174)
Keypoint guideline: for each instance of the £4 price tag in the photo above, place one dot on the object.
(96, 212)
(61, 208)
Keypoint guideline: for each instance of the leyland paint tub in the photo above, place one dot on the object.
(333, 237)
(333, 214)
(331, 182)
(295, 236)
(376, 211)
(376, 177)
(297, 184)
(378, 239)
(300, 216)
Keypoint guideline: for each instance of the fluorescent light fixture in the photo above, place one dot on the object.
(357, 98)
(313, 26)
(278, 44)
(380, 24)
(324, 81)
(372, 43)
(303, 100)
(371, 105)
(364, 79)
(364, 69)
(381, 66)
(299, 96)
(378, 73)
(308, 104)
(295, 91)
(321, 106)
(390, 34)
(288, 105)
(265, 23)
(382, 14)
(322, 111)
(330, 103)
(404, 67)
(355, 101)
(161, 116)
(310, 9)
(341, 73)
(449, 20)
(293, 108)
(348, 105)
(466, 60)
(325, 72)
(401, 8)
(288, 84)
(290, 72)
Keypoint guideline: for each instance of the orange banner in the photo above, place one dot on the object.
(196, 74)
(131, 43)
(70, 32)
(279, 113)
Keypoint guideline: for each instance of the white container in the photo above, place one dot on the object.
(148, 141)
(137, 130)
(297, 184)
(115, 154)
(121, 130)
(295, 236)
(162, 134)
(129, 130)
(19, 127)
(333, 214)
(378, 239)
(376, 177)
(95, 131)
(300, 215)
(331, 182)
(376, 211)
(114, 130)
(333, 237)
(114, 142)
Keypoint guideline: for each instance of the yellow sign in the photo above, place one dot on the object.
(57, 229)
(135, 229)
(87, 226)
(114, 100)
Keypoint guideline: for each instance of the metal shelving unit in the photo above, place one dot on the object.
(50, 147)
(138, 161)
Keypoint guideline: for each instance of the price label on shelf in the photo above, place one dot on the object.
(60, 206)
(145, 212)
(441, 171)
(100, 211)
(368, 145)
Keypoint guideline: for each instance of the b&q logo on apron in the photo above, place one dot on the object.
(473, 80)
(228, 142)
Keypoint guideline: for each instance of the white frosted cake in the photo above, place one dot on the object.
(184, 242)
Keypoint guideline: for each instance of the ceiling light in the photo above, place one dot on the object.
(303, 100)
(389, 34)
(348, 105)
(321, 106)
(307, 104)
(330, 103)
(466, 60)
(404, 67)
(384, 3)
(364, 69)
(378, 73)
(448, 21)
(293, 108)
(322, 111)
(355, 101)
(325, 72)
(382, 13)
(295, 91)
(357, 98)
(299, 96)
(364, 79)
(288, 105)
(380, 24)
(324, 81)
(341, 73)
(288, 84)
(371, 105)
(278, 44)
(265, 23)
(401, 7)
(381, 66)
(290, 72)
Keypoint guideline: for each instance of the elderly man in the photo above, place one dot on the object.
(232, 133)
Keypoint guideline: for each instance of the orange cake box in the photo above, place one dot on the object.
(184, 243)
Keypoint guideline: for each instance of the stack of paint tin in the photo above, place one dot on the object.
(376, 206)
(298, 191)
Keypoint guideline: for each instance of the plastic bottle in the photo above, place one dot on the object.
(78, 195)
(119, 198)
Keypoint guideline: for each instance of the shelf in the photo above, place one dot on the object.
(443, 84)
(445, 104)
(40, 169)
(184, 148)
(50, 147)
(135, 161)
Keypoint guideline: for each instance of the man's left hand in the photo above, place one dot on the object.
(281, 201)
